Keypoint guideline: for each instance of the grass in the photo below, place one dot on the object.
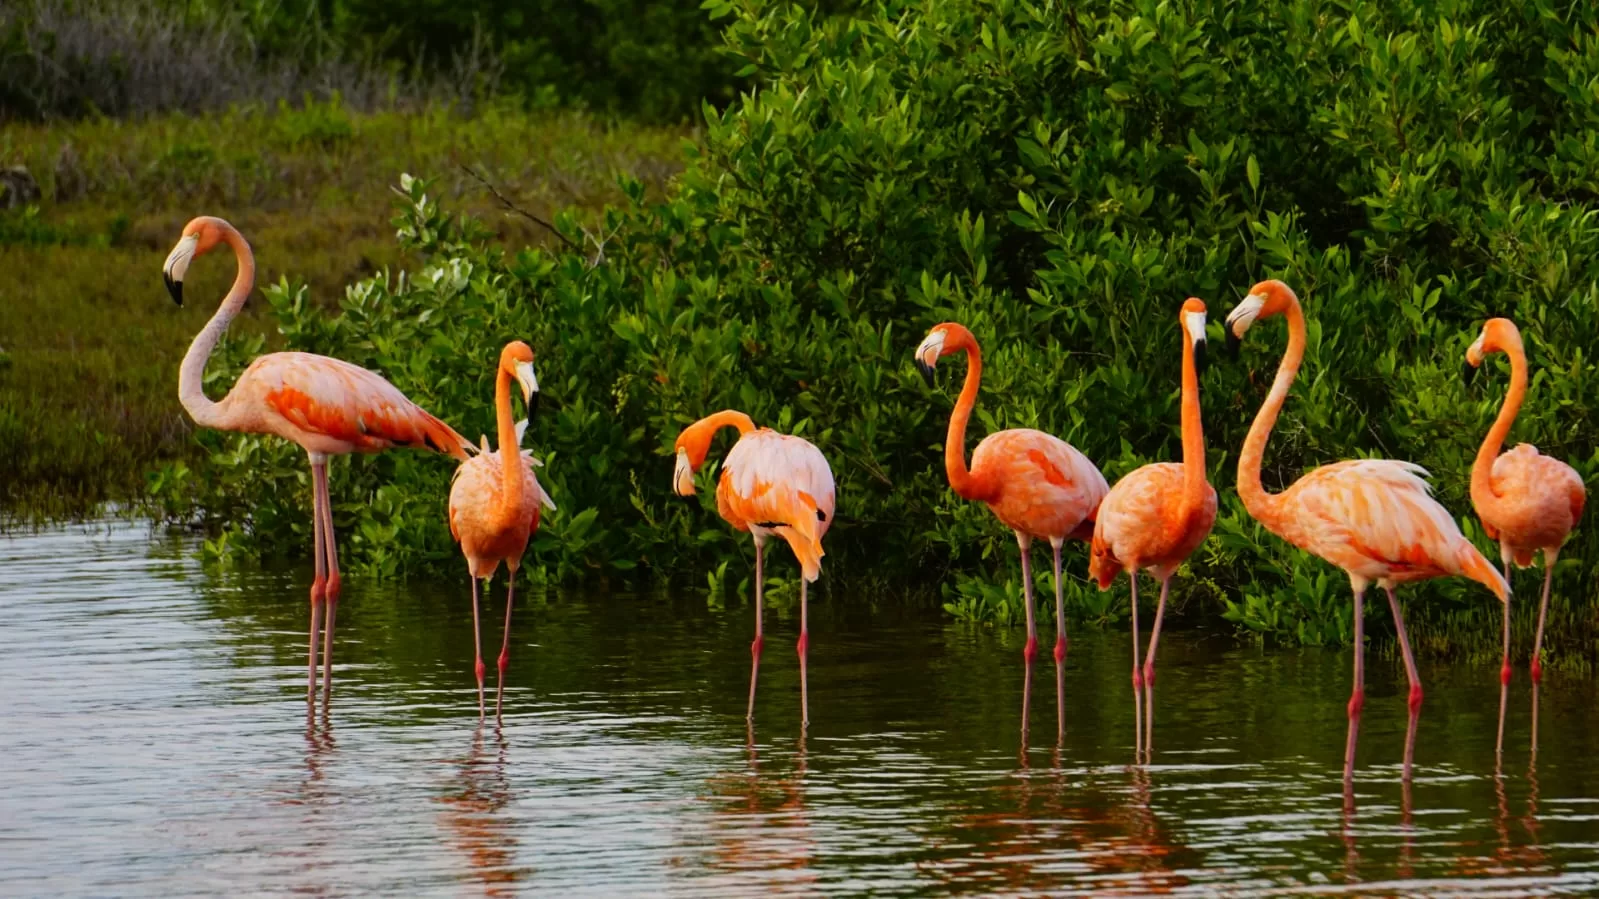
(89, 342)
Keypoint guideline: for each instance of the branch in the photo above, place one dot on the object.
(512, 207)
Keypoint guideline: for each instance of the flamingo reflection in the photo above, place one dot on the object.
(761, 823)
(474, 819)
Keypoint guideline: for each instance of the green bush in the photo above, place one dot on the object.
(1057, 177)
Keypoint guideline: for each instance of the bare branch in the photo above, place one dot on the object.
(512, 207)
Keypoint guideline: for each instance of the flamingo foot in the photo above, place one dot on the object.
(1357, 701)
(1030, 651)
(1504, 674)
(1060, 650)
(1537, 671)
(1415, 698)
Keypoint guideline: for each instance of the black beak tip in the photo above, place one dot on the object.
(1468, 373)
(1234, 342)
(532, 404)
(926, 370)
(175, 288)
(1201, 358)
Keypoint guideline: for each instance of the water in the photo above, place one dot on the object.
(154, 741)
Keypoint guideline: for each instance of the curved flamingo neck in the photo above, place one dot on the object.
(191, 374)
(961, 479)
(1193, 437)
(512, 501)
(1482, 468)
(1260, 504)
(696, 438)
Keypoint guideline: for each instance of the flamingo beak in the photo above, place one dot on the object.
(683, 476)
(927, 355)
(1474, 356)
(177, 265)
(1194, 323)
(1240, 319)
(530, 386)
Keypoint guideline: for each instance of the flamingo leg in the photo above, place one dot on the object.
(1411, 675)
(477, 650)
(1504, 670)
(1138, 675)
(505, 643)
(804, 643)
(1149, 670)
(1543, 612)
(1031, 650)
(318, 583)
(332, 551)
(1357, 696)
(755, 647)
(1060, 646)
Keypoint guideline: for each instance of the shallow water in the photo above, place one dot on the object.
(155, 741)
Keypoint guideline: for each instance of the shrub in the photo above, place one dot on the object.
(1058, 177)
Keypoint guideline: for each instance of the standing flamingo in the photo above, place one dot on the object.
(1374, 518)
(1526, 500)
(1036, 484)
(326, 406)
(494, 504)
(1158, 515)
(771, 484)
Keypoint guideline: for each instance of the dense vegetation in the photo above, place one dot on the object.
(1058, 177)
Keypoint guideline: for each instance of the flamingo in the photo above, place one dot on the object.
(1155, 517)
(1036, 484)
(494, 503)
(1526, 500)
(326, 406)
(771, 484)
(1374, 518)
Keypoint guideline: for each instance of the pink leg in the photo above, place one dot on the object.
(1149, 671)
(318, 582)
(804, 644)
(333, 586)
(1404, 647)
(755, 647)
(505, 644)
(1031, 650)
(1543, 612)
(1138, 676)
(1060, 647)
(477, 650)
(1504, 670)
(1357, 696)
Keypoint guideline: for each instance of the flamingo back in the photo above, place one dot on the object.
(1537, 502)
(475, 520)
(1037, 483)
(1376, 519)
(330, 406)
(781, 484)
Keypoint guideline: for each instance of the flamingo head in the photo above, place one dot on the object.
(516, 360)
(1499, 335)
(1193, 322)
(692, 446)
(944, 339)
(199, 236)
(1266, 299)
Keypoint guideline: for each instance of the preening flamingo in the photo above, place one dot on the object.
(1156, 516)
(326, 406)
(1526, 500)
(771, 484)
(1038, 485)
(494, 503)
(1374, 518)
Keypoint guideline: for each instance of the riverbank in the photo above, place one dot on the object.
(89, 343)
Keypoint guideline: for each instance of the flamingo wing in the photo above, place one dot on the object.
(1044, 486)
(1376, 518)
(783, 484)
(343, 404)
(1130, 527)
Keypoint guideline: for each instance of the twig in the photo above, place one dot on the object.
(504, 201)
